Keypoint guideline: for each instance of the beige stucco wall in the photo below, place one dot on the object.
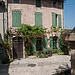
(28, 12)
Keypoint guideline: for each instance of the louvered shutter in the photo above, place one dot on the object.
(38, 19)
(44, 42)
(34, 45)
(59, 20)
(54, 20)
(16, 18)
(51, 42)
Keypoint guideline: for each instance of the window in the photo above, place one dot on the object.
(39, 44)
(53, 42)
(54, 4)
(38, 3)
(16, 18)
(38, 19)
(16, 1)
(60, 5)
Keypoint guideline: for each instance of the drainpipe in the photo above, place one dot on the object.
(7, 14)
(3, 19)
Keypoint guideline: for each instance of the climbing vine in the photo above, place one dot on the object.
(28, 32)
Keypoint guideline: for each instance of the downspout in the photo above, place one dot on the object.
(3, 19)
(7, 14)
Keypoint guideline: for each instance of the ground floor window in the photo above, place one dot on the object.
(53, 42)
(39, 44)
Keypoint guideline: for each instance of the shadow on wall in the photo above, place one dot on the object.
(45, 3)
(3, 67)
(0, 38)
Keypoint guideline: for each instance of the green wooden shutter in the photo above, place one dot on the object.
(44, 42)
(16, 18)
(38, 3)
(59, 20)
(51, 42)
(59, 42)
(34, 45)
(54, 20)
(38, 19)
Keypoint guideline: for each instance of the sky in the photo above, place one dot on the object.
(69, 14)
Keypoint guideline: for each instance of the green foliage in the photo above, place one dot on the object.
(44, 54)
(57, 30)
(27, 32)
(48, 52)
(58, 51)
(41, 55)
(7, 60)
(64, 45)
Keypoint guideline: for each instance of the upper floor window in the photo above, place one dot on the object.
(38, 3)
(16, 1)
(60, 5)
(54, 4)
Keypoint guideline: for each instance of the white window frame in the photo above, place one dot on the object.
(15, 3)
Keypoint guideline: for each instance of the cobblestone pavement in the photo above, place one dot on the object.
(37, 66)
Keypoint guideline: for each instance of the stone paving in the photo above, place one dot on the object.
(37, 66)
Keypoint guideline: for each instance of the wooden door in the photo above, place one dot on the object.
(17, 48)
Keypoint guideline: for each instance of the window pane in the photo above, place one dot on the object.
(38, 3)
(60, 5)
(54, 4)
(15, 1)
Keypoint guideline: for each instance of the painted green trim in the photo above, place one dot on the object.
(59, 20)
(16, 18)
(38, 19)
(34, 45)
(51, 42)
(54, 20)
(44, 43)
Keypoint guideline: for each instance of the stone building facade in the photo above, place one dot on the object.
(44, 13)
